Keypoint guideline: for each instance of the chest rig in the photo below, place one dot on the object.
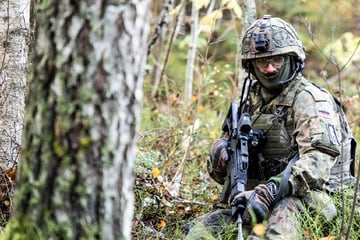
(277, 128)
(271, 158)
(275, 121)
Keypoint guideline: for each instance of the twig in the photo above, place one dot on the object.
(169, 49)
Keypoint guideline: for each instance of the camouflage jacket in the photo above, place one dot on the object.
(310, 122)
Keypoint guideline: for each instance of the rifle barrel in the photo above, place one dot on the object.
(239, 222)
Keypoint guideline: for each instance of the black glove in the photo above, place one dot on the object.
(258, 200)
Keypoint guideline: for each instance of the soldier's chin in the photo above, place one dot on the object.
(271, 75)
(270, 84)
(274, 88)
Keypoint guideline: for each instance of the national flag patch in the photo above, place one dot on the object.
(323, 113)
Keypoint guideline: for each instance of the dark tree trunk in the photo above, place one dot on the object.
(83, 106)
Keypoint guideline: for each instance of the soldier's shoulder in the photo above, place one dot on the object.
(311, 92)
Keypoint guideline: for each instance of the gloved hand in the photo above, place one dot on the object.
(217, 166)
(219, 154)
(258, 200)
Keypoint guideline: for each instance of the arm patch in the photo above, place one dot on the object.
(324, 138)
(332, 135)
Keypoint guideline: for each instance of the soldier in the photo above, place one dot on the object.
(297, 117)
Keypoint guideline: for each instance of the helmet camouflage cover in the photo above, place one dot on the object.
(270, 36)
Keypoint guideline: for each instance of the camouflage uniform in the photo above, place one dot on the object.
(302, 118)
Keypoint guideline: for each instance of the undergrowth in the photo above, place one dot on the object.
(314, 225)
(172, 186)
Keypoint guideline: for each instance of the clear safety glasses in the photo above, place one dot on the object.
(276, 61)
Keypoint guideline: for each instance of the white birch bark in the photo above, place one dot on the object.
(189, 75)
(14, 37)
(128, 67)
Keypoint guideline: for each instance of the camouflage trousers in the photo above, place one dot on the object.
(281, 225)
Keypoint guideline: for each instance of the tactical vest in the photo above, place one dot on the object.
(271, 159)
(278, 135)
(342, 173)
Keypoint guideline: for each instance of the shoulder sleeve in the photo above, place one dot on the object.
(317, 122)
(317, 93)
(317, 135)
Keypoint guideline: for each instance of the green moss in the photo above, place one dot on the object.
(58, 149)
(22, 228)
(85, 142)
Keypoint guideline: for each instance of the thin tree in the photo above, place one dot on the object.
(14, 35)
(191, 57)
(157, 44)
(82, 111)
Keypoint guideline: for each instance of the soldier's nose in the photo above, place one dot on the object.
(270, 69)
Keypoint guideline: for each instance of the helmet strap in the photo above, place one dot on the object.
(299, 66)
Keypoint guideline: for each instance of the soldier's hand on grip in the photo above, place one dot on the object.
(257, 201)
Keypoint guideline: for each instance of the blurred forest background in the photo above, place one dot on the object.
(192, 76)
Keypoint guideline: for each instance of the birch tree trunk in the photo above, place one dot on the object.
(191, 57)
(75, 179)
(14, 33)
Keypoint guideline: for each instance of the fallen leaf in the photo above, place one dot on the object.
(190, 119)
(201, 109)
(193, 99)
(155, 172)
(11, 173)
(214, 198)
(259, 229)
(213, 135)
(327, 238)
(161, 224)
(173, 98)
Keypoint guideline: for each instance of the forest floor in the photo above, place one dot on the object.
(172, 185)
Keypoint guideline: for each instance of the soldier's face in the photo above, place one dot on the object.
(272, 71)
(270, 65)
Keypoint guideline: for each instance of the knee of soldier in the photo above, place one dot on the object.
(212, 219)
(290, 204)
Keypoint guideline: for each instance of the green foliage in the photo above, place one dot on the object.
(23, 228)
(315, 226)
(179, 150)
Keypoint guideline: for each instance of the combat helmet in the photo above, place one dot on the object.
(270, 36)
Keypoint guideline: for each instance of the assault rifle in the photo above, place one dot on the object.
(237, 125)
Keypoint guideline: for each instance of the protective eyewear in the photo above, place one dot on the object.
(276, 61)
